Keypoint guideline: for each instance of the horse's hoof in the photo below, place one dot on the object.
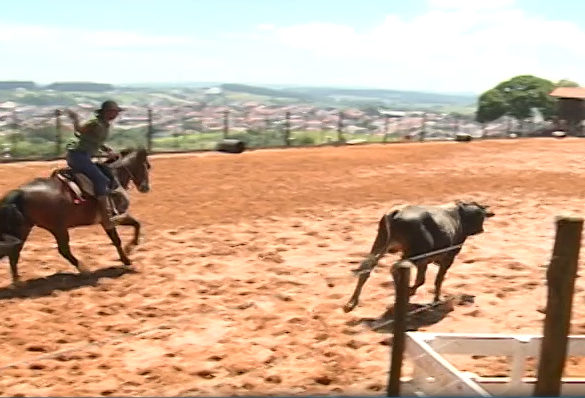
(126, 261)
(130, 269)
(82, 269)
(17, 284)
(348, 307)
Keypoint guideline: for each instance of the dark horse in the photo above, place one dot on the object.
(48, 203)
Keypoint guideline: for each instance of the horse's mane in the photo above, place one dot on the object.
(124, 153)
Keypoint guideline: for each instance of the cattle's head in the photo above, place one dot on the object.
(472, 216)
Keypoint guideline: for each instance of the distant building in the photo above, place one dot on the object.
(571, 108)
(8, 105)
(396, 114)
(214, 91)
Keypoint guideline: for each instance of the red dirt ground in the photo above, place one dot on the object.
(245, 266)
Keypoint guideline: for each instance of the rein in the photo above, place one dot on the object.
(123, 165)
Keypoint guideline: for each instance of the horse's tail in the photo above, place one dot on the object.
(12, 218)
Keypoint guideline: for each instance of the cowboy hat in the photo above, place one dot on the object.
(110, 105)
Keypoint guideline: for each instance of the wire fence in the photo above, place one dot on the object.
(42, 132)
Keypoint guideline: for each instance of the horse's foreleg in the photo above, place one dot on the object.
(117, 242)
(62, 237)
(127, 220)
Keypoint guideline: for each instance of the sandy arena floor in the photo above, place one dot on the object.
(245, 266)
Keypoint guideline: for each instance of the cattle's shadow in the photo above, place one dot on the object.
(41, 287)
(419, 315)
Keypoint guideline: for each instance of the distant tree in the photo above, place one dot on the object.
(372, 109)
(516, 97)
(492, 106)
(566, 83)
(80, 86)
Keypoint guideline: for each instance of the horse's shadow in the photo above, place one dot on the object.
(41, 287)
(419, 315)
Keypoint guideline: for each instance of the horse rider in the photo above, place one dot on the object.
(90, 140)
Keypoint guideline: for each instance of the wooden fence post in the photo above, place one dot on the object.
(58, 132)
(423, 128)
(226, 125)
(401, 275)
(560, 276)
(287, 128)
(340, 128)
(149, 131)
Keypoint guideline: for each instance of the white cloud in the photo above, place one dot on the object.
(266, 26)
(47, 54)
(453, 45)
(117, 39)
(470, 4)
(54, 36)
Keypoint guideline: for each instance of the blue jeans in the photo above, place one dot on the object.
(80, 162)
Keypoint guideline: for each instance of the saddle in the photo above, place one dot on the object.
(81, 187)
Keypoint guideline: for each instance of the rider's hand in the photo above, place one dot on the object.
(113, 155)
(72, 115)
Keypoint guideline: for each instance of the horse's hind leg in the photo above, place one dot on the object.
(62, 237)
(14, 255)
(117, 242)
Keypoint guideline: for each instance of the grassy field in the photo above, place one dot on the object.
(41, 143)
(208, 141)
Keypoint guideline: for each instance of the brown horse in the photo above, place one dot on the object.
(49, 204)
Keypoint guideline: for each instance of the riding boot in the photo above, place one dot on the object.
(105, 212)
(120, 200)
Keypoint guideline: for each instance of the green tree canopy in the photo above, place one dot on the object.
(566, 83)
(516, 97)
(492, 106)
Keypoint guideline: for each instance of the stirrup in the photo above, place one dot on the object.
(113, 207)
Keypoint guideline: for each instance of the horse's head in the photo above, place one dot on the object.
(133, 166)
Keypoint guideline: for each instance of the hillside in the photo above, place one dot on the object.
(331, 96)
(68, 93)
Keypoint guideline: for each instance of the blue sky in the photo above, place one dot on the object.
(430, 45)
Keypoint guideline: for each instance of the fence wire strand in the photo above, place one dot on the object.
(415, 258)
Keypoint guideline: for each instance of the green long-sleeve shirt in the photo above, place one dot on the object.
(94, 135)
